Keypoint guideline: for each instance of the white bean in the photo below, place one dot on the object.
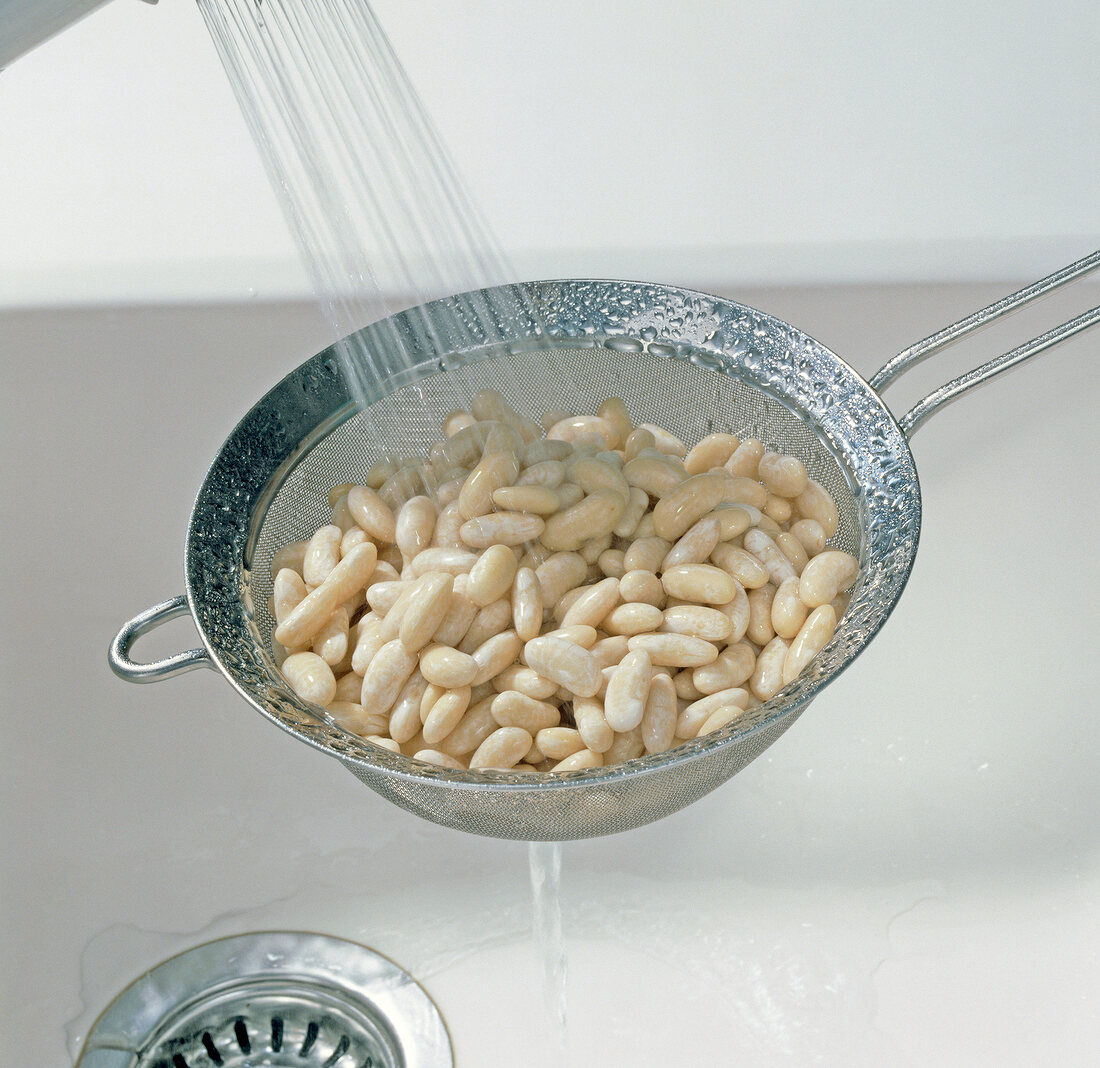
(627, 691)
(460, 616)
(767, 678)
(543, 449)
(566, 664)
(609, 651)
(494, 470)
(353, 717)
(447, 666)
(702, 583)
(636, 442)
(712, 451)
(793, 550)
(355, 536)
(707, 623)
(592, 724)
(610, 562)
(405, 718)
(745, 459)
(720, 718)
(372, 513)
(557, 743)
(578, 761)
(549, 474)
(503, 749)
(768, 553)
(307, 617)
(558, 575)
(291, 556)
(696, 544)
(760, 629)
(348, 687)
(288, 592)
(310, 677)
(636, 505)
(592, 517)
(657, 637)
(472, 730)
(674, 650)
(495, 654)
(826, 575)
(815, 503)
(659, 717)
(438, 759)
(537, 499)
(665, 441)
(813, 636)
(576, 426)
(654, 473)
(789, 611)
(415, 525)
(526, 680)
(322, 555)
(594, 475)
(634, 618)
(445, 535)
(694, 715)
(527, 604)
(626, 745)
(514, 709)
(385, 676)
(371, 638)
(741, 565)
(614, 411)
(783, 475)
(445, 714)
(810, 535)
(733, 666)
(646, 554)
(593, 604)
(453, 561)
(426, 610)
(501, 528)
(330, 643)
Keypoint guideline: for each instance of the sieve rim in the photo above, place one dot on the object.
(319, 373)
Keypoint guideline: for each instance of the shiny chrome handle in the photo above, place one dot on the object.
(954, 389)
(119, 654)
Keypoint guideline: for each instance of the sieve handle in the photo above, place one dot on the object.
(131, 670)
(954, 389)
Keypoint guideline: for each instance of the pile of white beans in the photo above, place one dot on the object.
(557, 597)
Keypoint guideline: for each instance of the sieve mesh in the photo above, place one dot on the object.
(688, 362)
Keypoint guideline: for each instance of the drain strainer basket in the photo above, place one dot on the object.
(278, 999)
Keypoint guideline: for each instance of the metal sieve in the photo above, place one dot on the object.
(690, 362)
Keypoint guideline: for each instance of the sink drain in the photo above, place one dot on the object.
(276, 999)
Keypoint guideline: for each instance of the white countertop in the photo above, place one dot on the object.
(908, 877)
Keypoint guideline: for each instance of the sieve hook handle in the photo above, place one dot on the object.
(131, 670)
(954, 389)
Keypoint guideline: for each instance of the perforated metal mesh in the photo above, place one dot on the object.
(686, 361)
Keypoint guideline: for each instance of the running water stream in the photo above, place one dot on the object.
(377, 208)
(544, 861)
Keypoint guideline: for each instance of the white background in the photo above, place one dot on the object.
(910, 876)
(701, 143)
